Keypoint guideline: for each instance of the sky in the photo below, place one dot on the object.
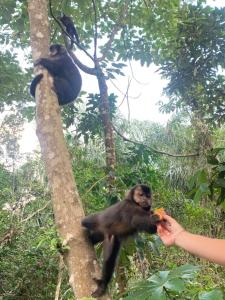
(145, 91)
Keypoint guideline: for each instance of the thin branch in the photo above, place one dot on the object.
(125, 95)
(64, 32)
(84, 68)
(153, 149)
(59, 279)
(36, 212)
(109, 43)
(146, 4)
(121, 92)
(7, 236)
(128, 104)
(114, 31)
(95, 184)
(96, 30)
(132, 73)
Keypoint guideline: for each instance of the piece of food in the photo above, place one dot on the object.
(160, 212)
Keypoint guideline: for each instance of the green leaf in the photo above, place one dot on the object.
(212, 295)
(221, 168)
(185, 271)
(176, 284)
(223, 205)
(155, 287)
(220, 182)
(204, 188)
(158, 294)
(197, 196)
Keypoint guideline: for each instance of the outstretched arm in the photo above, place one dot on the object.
(172, 233)
(145, 222)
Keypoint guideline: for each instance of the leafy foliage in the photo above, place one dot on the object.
(90, 123)
(213, 185)
(164, 284)
(193, 67)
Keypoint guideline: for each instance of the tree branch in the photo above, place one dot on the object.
(153, 149)
(36, 212)
(59, 279)
(96, 30)
(64, 32)
(84, 68)
(114, 32)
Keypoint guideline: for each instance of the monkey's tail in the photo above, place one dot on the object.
(34, 83)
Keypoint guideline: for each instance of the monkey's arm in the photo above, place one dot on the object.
(53, 66)
(145, 222)
(111, 247)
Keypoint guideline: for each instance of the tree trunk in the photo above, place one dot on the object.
(107, 125)
(68, 212)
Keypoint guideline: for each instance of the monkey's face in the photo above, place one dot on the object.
(56, 49)
(142, 196)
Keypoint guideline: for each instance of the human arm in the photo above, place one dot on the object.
(172, 233)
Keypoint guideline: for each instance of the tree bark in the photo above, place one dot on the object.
(107, 124)
(68, 212)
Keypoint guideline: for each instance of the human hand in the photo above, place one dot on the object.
(168, 230)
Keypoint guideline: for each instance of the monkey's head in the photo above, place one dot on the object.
(141, 195)
(56, 49)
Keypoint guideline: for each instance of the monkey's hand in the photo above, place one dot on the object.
(160, 212)
(37, 62)
(155, 218)
(100, 289)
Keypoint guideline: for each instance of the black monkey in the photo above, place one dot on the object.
(70, 28)
(66, 76)
(116, 223)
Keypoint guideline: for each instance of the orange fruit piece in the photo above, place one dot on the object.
(160, 212)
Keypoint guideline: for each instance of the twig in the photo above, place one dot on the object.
(36, 212)
(128, 104)
(121, 92)
(94, 185)
(125, 95)
(114, 31)
(59, 279)
(153, 149)
(64, 31)
(7, 237)
(96, 30)
(132, 73)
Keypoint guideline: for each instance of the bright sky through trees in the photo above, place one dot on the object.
(144, 93)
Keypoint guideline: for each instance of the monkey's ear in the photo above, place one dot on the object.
(129, 194)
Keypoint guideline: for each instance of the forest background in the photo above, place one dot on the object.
(183, 159)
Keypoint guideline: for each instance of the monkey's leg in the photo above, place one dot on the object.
(64, 90)
(95, 236)
(90, 223)
(111, 247)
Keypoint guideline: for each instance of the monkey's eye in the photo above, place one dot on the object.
(141, 194)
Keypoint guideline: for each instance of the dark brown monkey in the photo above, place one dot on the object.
(116, 223)
(66, 76)
(70, 29)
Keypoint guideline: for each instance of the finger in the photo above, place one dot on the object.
(168, 218)
(159, 228)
